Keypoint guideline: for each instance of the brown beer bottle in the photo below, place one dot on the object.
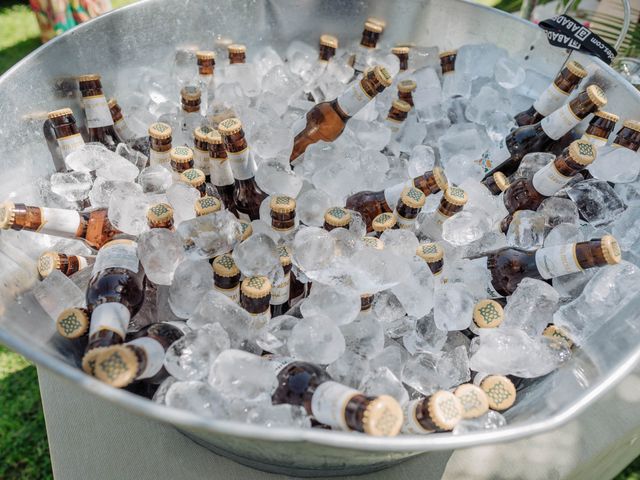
(439, 412)
(280, 291)
(600, 127)
(283, 214)
(396, 116)
(406, 88)
(554, 96)
(328, 47)
(207, 205)
(66, 132)
(487, 313)
(500, 390)
(124, 132)
(139, 359)
(206, 60)
(73, 323)
(181, 159)
(333, 404)
(99, 121)
(220, 171)
(326, 120)
(92, 227)
(226, 277)
(453, 201)
(237, 53)
(368, 42)
(160, 215)
(408, 207)
(114, 295)
(336, 217)
(247, 196)
(383, 222)
(496, 183)
(371, 204)
(196, 179)
(201, 150)
(542, 136)
(474, 400)
(255, 298)
(509, 266)
(403, 56)
(528, 194)
(433, 254)
(160, 138)
(67, 264)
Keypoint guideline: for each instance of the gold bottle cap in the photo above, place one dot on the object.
(632, 124)
(383, 222)
(430, 252)
(112, 103)
(190, 93)
(181, 154)
(229, 126)
(502, 182)
(413, 197)
(328, 41)
(448, 53)
(373, 242)
(256, 287)
(202, 133)
(89, 359)
(160, 131)
(7, 215)
(72, 322)
(206, 205)
(282, 204)
(582, 152)
(383, 75)
(337, 217)
(611, 249)
(373, 27)
(488, 314)
(377, 21)
(118, 366)
(284, 252)
(441, 179)
(474, 400)
(205, 55)
(607, 116)
(90, 77)
(400, 50)
(60, 113)
(225, 266)
(247, 229)
(214, 137)
(577, 69)
(455, 196)
(193, 177)
(47, 263)
(444, 409)
(382, 417)
(237, 48)
(401, 105)
(406, 86)
(556, 333)
(500, 391)
(597, 95)
(160, 214)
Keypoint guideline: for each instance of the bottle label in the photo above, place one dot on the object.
(277, 363)
(97, 111)
(242, 164)
(550, 100)
(597, 142)
(491, 292)
(548, 180)
(494, 157)
(280, 291)
(559, 122)
(123, 130)
(220, 170)
(201, 160)
(439, 217)
(160, 158)
(154, 353)
(411, 424)
(329, 403)
(231, 293)
(392, 194)
(260, 320)
(70, 144)
(353, 99)
(110, 316)
(557, 261)
(82, 262)
(59, 222)
(404, 223)
(117, 254)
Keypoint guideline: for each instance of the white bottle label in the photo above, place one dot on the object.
(70, 144)
(160, 158)
(548, 180)
(597, 142)
(559, 122)
(411, 424)
(280, 292)
(97, 111)
(550, 100)
(123, 130)
(494, 157)
(82, 262)
(117, 254)
(392, 194)
(404, 223)
(491, 292)
(277, 363)
(353, 99)
(220, 170)
(110, 316)
(155, 355)
(59, 222)
(242, 164)
(329, 403)
(201, 160)
(231, 293)
(557, 261)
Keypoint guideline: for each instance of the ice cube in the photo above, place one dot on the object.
(349, 369)
(58, 292)
(89, 158)
(508, 73)
(118, 168)
(364, 336)
(557, 210)
(422, 160)
(134, 156)
(531, 306)
(242, 375)
(491, 420)
(597, 202)
(372, 135)
(104, 190)
(316, 339)
(401, 242)
(191, 280)
(274, 337)
(498, 125)
(478, 60)
(416, 292)
(128, 213)
(488, 101)
(629, 193)
(277, 416)
(392, 357)
(273, 178)
(426, 337)
(313, 249)
(257, 255)
(616, 165)
(311, 206)
(531, 163)
(301, 58)
(265, 58)
(389, 312)
(211, 235)
(341, 307)
(563, 234)
(196, 397)
(73, 186)
(466, 139)
(626, 228)
(526, 229)
(420, 373)
(155, 179)
(453, 367)
(160, 251)
(382, 381)
(453, 306)
(465, 227)
(182, 198)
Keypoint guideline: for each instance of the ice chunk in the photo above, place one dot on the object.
(392, 357)
(465, 139)
(488, 101)
(128, 213)
(196, 397)
(270, 140)
(364, 336)
(626, 228)
(341, 307)
(278, 416)
(498, 125)
(401, 242)
(191, 280)
(211, 235)
(597, 202)
(427, 95)
(453, 306)
(508, 73)
(426, 337)
(420, 373)
(275, 178)
(310, 207)
(491, 420)
(160, 251)
(465, 227)
(182, 198)
(390, 313)
(478, 60)
(266, 58)
(242, 375)
(103, 190)
(349, 369)
(422, 160)
(73, 186)
(382, 381)
(134, 156)
(118, 168)
(301, 58)
(274, 337)
(416, 292)
(526, 229)
(531, 163)
(257, 255)
(616, 165)
(313, 249)
(89, 158)
(58, 292)
(557, 210)
(531, 306)
(155, 179)
(372, 135)
(629, 193)
(453, 367)
(562, 234)
(316, 339)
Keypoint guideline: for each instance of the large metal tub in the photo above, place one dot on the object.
(145, 33)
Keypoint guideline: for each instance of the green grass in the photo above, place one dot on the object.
(20, 33)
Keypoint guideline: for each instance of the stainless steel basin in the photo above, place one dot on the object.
(146, 33)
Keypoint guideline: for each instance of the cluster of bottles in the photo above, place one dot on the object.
(212, 155)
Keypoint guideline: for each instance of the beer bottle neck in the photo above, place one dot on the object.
(574, 257)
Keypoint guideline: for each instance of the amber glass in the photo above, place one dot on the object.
(163, 333)
(628, 138)
(406, 96)
(296, 384)
(326, 53)
(448, 63)
(277, 310)
(226, 283)
(283, 221)
(105, 135)
(600, 127)
(69, 264)
(404, 60)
